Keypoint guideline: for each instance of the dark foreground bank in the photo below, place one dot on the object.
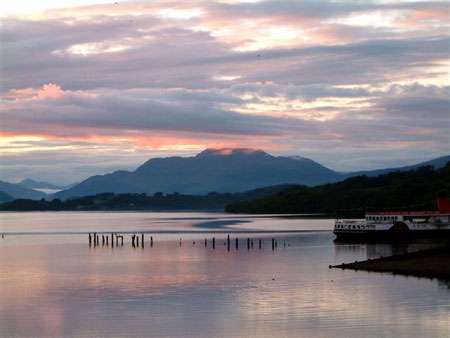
(431, 263)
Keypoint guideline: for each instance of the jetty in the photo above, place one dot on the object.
(139, 240)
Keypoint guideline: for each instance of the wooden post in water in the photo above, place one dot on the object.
(151, 241)
(112, 240)
(132, 240)
(228, 243)
(137, 240)
(103, 240)
(206, 242)
(276, 244)
(214, 242)
(121, 240)
(95, 239)
(142, 241)
(107, 239)
(251, 243)
(90, 239)
(237, 243)
(273, 244)
(260, 244)
(248, 243)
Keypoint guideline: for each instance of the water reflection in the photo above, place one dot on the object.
(375, 250)
(65, 288)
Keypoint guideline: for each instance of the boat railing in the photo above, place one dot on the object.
(349, 221)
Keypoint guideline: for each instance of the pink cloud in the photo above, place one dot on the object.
(47, 91)
(50, 91)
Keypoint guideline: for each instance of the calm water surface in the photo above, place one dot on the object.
(53, 284)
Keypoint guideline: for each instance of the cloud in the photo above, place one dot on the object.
(172, 110)
(340, 81)
(50, 91)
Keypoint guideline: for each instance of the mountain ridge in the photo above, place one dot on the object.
(33, 184)
(222, 170)
(17, 191)
(437, 163)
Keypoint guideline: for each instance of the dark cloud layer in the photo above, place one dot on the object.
(354, 84)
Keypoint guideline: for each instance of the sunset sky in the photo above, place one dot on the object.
(88, 87)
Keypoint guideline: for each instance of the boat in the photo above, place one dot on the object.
(397, 224)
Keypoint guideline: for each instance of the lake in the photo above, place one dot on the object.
(53, 284)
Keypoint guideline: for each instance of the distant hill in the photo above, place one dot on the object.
(221, 170)
(5, 197)
(17, 191)
(159, 201)
(415, 189)
(32, 184)
(435, 163)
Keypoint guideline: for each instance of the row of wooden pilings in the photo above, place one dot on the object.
(139, 241)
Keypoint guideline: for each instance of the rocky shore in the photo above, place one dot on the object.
(431, 263)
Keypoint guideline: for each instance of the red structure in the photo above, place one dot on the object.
(443, 204)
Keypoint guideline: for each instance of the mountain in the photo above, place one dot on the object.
(32, 184)
(17, 191)
(414, 189)
(436, 163)
(221, 170)
(5, 197)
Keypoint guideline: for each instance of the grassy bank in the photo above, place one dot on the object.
(432, 263)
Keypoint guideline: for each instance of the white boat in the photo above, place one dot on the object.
(397, 224)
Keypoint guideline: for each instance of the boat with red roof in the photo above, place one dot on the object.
(397, 224)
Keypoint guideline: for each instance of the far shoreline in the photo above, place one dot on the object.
(175, 211)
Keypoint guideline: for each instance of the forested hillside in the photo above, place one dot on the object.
(414, 189)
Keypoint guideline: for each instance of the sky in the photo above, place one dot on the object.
(89, 87)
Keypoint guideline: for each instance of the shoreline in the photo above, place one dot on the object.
(429, 263)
